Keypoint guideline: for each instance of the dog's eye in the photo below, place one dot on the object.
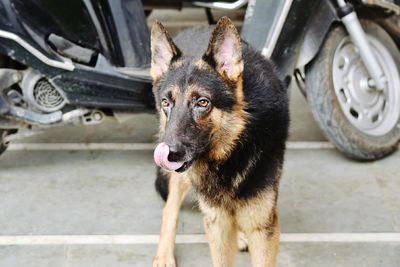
(165, 103)
(203, 103)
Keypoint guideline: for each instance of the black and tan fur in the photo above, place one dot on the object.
(233, 148)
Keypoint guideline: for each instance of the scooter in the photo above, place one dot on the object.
(75, 61)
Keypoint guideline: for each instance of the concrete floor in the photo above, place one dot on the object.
(111, 193)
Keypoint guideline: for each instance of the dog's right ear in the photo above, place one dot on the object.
(163, 51)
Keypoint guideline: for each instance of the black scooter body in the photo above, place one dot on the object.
(98, 59)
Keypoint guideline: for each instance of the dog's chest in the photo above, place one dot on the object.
(213, 190)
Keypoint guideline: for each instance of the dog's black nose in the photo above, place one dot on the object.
(176, 153)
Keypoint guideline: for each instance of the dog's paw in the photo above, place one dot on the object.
(242, 242)
(160, 261)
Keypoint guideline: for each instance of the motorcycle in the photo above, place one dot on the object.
(81, 60)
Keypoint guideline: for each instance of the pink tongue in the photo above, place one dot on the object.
(161, 158)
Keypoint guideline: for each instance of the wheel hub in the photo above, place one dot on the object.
(357, 83)
(372, 111)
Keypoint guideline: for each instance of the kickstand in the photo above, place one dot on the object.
(210, 17)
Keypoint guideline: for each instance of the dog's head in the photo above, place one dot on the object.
(200, 100)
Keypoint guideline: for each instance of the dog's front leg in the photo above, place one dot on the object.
(178, 188)
(264, 243)
(259, 220)
(221, 232)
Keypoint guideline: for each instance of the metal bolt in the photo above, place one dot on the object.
(97, 116)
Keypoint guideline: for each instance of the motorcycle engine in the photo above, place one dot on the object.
(40, 93)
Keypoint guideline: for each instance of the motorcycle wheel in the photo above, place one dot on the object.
(361, 121)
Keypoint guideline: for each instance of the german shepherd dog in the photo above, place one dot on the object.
(223, 126)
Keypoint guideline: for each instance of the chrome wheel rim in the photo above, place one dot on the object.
(372, 111)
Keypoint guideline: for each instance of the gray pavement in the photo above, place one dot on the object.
(111, 193)
(304, 255)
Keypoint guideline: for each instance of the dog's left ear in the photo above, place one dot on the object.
(225, 50)
(163, 51)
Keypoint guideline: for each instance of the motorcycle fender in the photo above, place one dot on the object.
(303, 35)
(318, 27)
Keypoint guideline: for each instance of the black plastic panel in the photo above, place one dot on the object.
(87, 88)
(132, 32)
(69, 19)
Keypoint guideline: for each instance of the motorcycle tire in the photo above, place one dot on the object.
(361, 121)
